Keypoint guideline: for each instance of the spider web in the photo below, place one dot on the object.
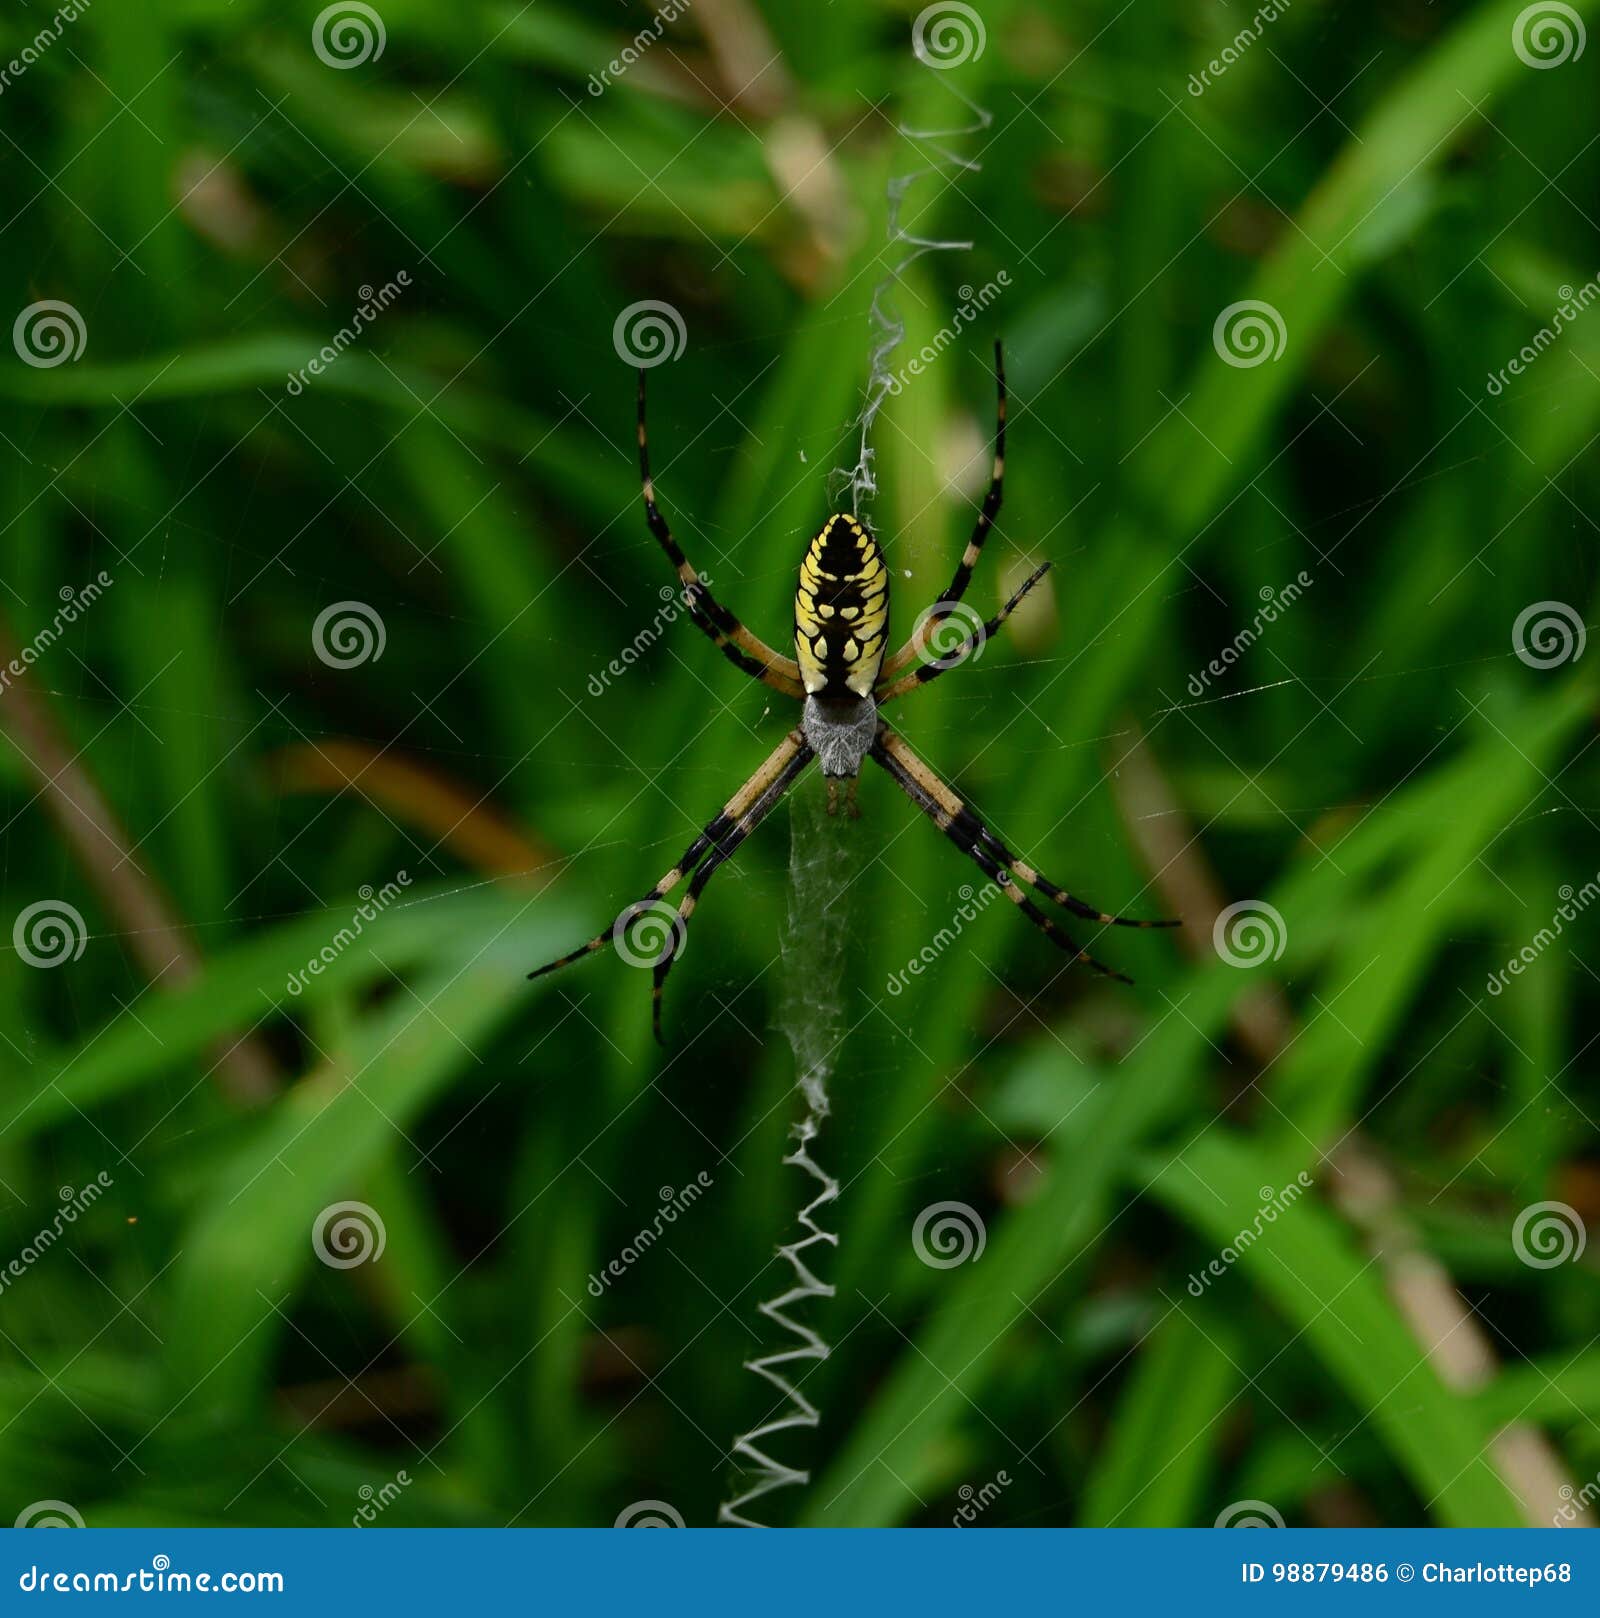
(823, 862)
(884, 318)
(822, 865)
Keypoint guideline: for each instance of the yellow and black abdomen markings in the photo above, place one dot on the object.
(841, 612)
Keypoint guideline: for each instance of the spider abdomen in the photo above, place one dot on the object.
(841, 612)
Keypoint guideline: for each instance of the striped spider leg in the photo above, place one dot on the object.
(716, 844)
(963, 826)
(746, 651)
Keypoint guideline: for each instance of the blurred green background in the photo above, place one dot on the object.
(214, 190)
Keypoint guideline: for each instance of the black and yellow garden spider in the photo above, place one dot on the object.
(840, 675)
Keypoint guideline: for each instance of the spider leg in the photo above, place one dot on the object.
(980, 531)
(726, 844)
(963, 827)
(931, 671)
(744, 650)
(713, 833)
(970, 823)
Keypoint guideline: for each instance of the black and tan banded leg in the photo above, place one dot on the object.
(980, 531)
(726, 844)
(951, 814)
(744, 650)
(714, 833)
(888, 691)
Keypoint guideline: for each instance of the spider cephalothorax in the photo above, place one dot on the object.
(841, 677)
